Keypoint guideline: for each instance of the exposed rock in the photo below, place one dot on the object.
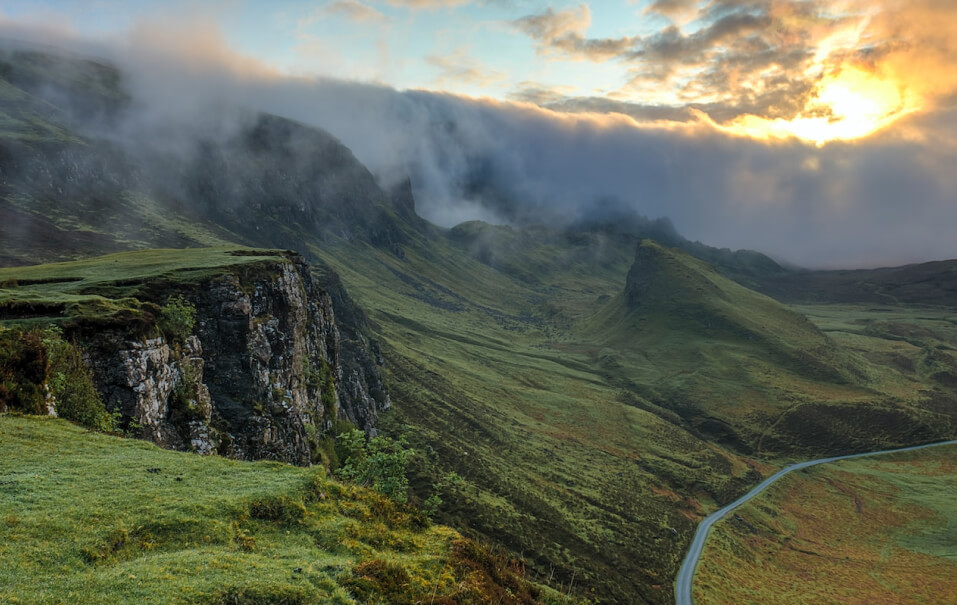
(263, 376)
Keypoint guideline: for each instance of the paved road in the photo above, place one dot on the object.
(686, 575)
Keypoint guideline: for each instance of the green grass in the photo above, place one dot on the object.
(108, 286)
(874, 530)
(90, 518)
(25, 119)
(568, 413)
(564, 410)
(490, 380)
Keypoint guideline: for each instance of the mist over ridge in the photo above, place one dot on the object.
(888, 202)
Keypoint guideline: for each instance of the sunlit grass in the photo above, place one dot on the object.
(876, 530)
(87, 518)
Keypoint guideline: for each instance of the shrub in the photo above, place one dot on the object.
(71, 385)
(431, 505)
(23, 370)
(379, 463)
(184, 405)
(178, 318)
(278, 508)
(378, 578)
(323, 381)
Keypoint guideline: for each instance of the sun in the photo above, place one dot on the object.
(847, 105)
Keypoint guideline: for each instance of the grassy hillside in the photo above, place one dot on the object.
(553, 458)
(90, 518)
(748, 371)
(876, 530)
(555, 400)
(932, 284)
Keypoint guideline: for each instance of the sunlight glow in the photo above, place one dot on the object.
(850, 104)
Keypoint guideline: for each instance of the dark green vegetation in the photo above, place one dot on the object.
(37, 365)
(89, 518)
(379, 463)
(876, 530)
(579, 399)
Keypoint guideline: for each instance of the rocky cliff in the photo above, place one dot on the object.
(263, 375)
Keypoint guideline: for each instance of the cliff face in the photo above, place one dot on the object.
(264, 375)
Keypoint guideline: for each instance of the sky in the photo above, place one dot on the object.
(822, 132)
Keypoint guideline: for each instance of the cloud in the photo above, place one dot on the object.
(353, 10)
(887, 199)
(562, 33)
(768, 68)
(539, 94)
(677, 9)
(460, 67)
(428, 4)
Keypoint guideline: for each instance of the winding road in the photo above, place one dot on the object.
(686, 574)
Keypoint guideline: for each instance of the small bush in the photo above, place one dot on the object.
(379, 463)
(178, 318)
(431, 505)
(244, 540)
(184, 399)
(323, 381)
(36, 363)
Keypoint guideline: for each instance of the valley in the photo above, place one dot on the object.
(579, 394)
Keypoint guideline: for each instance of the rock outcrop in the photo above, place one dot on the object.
(264, 375)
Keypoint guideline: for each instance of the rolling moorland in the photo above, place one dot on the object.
(576, 393)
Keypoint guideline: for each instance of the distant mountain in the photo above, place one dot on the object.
(933, 283)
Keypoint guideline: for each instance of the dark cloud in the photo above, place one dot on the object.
(603, 105)
(885, 200)
(537, 93)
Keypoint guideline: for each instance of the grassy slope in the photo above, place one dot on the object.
(514, 385)
(84, 520)
(560, 464)
(877, 530)
(569, 414)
